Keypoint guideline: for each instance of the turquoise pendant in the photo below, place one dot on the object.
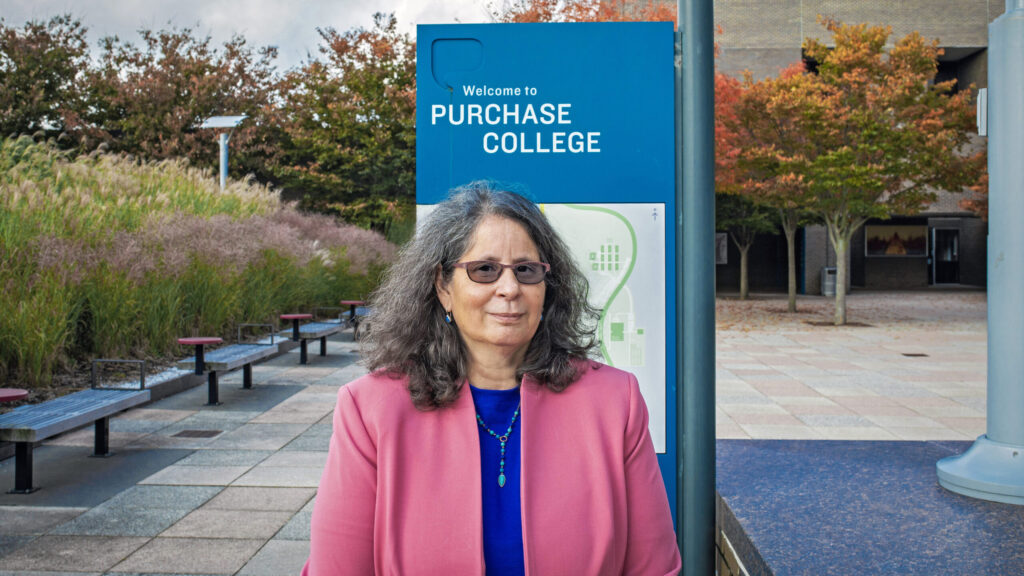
(501, 481)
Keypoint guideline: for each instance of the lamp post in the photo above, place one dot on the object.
(229, 123)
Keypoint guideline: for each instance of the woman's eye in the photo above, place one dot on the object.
(486, 267)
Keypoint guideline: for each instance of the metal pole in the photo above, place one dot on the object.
(697, 425)
(680, 342)
(993, 468)
(223, 160)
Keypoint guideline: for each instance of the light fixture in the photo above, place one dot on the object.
(229, 123)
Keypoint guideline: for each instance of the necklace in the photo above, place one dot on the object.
(503, 439)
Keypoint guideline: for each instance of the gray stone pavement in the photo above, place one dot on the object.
(234, 494)
(913, 368)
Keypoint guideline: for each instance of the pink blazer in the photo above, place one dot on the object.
(401, 495)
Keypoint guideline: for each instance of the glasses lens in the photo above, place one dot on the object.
(529, 272)
(484, 272)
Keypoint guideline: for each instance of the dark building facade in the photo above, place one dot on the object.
(946, 244)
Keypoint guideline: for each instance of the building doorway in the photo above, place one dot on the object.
(945, 256)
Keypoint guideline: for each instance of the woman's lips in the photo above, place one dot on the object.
(506, 317)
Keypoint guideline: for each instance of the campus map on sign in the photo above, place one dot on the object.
(621, 250)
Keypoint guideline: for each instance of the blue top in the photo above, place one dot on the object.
(503, 524)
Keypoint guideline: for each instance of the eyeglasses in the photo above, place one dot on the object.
(486, 271)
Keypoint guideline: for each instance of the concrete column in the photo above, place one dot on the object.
(993, 468)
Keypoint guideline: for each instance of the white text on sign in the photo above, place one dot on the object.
(515, 114)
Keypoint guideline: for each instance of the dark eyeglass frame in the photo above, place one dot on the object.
(468, 266)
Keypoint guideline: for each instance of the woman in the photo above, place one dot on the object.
(484, 441)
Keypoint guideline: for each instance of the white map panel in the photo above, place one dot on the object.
(621, 249)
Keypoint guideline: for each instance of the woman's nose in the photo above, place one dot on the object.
(507, 284)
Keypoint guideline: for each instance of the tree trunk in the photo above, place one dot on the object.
(789, 229)
(842, 245)
(744, 284)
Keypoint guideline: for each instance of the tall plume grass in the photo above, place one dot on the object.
(104, 255)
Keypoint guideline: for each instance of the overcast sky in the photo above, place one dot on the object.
(288, 24)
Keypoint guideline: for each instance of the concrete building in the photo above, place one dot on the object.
(949, 244)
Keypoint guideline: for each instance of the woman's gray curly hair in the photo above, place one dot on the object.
(410, 337)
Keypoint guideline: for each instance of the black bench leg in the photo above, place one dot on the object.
(214, 390)
(323, 345)
(200, 360)
(303, 358)
(247, 376)
(101, 443)
(22, 468)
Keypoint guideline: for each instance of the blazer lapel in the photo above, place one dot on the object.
(529, 394)
(469, 493)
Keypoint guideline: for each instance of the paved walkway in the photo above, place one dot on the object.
(235, 497)
(915, 370)
(229, 489)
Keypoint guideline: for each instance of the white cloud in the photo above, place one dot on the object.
(289, 25)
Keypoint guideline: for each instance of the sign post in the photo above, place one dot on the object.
(581, 119)
(697, 324)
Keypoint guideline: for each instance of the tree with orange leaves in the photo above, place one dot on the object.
(739, 210)
(870, 135)
(765, 119)
(978, 201)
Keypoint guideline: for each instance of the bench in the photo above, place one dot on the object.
(357, 313)
(360, 322)
(36, 422)
(311, 331)
(240, 354)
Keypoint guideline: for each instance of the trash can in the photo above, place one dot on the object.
(828, 281)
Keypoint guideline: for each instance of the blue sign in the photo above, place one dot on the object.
(580, 118)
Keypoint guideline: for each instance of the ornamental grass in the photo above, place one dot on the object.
(109, 256)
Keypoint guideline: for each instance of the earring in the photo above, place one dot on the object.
(448, 317)
(541, 317)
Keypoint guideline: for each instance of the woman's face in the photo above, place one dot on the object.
(501, 316)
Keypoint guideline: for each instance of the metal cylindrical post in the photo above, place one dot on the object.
(696, 429)
(223, 160)
(101, 438)
(993, 468)
(22, 468)
(1006, 235)
(200, 361)
(212, 389)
